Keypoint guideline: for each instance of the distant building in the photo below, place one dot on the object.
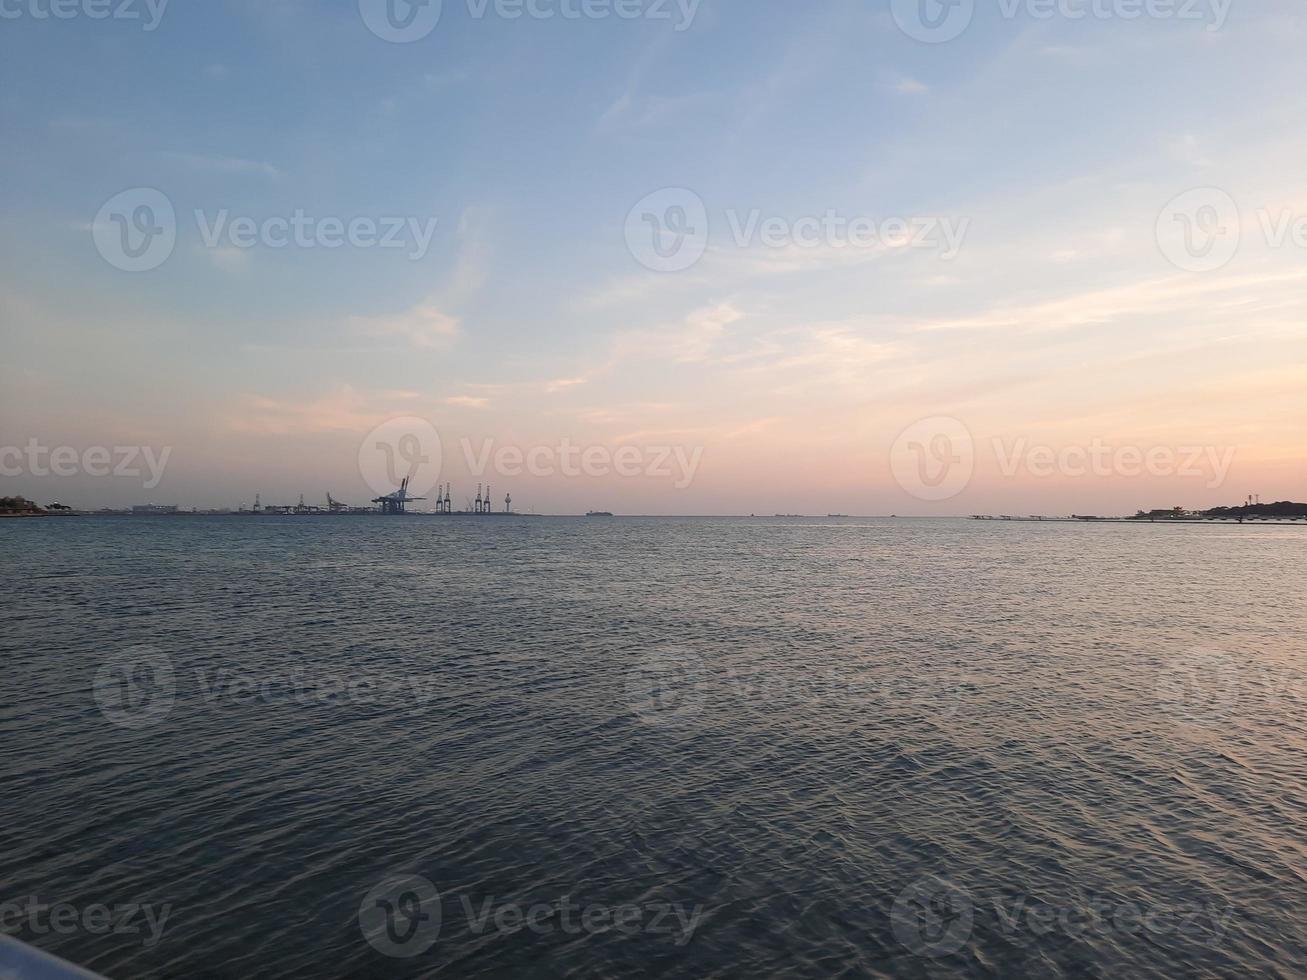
(152, 510)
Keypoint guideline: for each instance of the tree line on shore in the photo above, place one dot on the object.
(19, 505)
(1281, 510)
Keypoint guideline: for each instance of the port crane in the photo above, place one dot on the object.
(444, 500)
(395, 503)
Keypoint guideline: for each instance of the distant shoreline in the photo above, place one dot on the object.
(497, 518)
(1206, 521)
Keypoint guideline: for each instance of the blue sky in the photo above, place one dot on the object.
(1057, 141)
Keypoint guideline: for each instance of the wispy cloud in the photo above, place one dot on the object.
(344, 409)
(908, 86)
(229, 259)
(225, 165)
(425, 326)
(1104, 306)
(562, 384)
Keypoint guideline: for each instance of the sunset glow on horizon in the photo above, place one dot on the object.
(1112, 315)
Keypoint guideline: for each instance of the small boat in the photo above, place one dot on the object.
(20, 960)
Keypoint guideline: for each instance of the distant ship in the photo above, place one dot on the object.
(598, 513)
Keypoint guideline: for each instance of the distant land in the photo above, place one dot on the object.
(1281, 511)
(22, 507)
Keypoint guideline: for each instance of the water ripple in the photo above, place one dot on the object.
(799, 732)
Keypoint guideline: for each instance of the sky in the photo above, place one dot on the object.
(725, 257)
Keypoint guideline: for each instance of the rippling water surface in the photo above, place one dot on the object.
(761, 748)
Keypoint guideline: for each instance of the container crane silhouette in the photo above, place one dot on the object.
(395, 503)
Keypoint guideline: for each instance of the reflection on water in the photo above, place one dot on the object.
(655, 748)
